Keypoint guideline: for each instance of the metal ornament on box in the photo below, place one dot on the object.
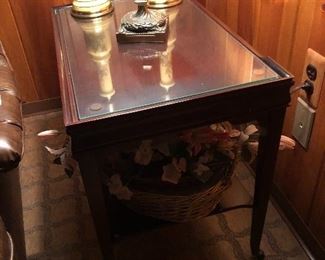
(163, 3)
(91, 8)
(143, 25)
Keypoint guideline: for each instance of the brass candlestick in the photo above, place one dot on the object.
(163, 3)
(91, 8)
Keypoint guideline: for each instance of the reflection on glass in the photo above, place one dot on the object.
(259, 70)
(166, 67)
(98, 43)
(249, 69)
(111, 108)
(192, 65)
(238, 63)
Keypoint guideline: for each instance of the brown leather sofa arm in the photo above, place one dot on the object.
(11, 150)
(11, 131)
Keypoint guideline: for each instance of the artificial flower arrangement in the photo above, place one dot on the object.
(191, 157)
(177, 177)
(188, 158)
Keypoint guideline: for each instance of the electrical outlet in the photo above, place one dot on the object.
(314, 71)
(303, 123)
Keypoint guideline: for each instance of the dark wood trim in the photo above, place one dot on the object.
(32, 108)
(301, 230)
(68, 113)
(243, 105)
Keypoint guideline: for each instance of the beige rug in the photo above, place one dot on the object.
(59, 226)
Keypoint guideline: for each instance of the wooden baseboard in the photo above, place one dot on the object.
(302, 232)
(32, 108)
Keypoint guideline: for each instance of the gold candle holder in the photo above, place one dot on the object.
(163, 3)
(91, 8)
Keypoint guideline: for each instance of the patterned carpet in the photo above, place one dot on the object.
(59, 226)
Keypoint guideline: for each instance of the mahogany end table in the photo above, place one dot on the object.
(203, 74)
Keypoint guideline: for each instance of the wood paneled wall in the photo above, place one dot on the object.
(13, 45)
(27, 35)
(283, 30)
(268, 25)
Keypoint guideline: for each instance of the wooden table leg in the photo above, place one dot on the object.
(97, 203)
(267, 153)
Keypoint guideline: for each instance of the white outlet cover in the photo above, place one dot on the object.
(303, 123)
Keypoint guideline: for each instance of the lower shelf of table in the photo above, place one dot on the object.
(125, 222)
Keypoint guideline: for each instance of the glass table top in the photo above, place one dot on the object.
(200, 57)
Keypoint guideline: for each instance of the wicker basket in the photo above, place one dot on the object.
(180, 204)
(192, 198)
(177, 208)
